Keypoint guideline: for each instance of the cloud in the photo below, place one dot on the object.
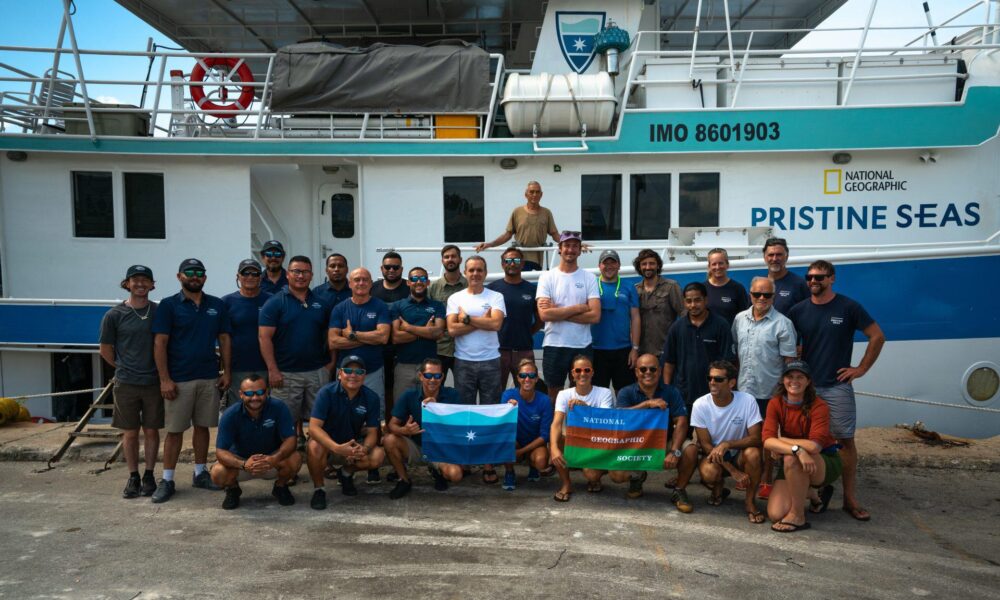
(108, 100)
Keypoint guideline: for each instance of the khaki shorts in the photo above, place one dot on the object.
(137, 405)
(247, 475)
(299, 392)
(415, 455)
(197, 403)
(404, 376)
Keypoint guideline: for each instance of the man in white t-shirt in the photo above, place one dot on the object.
(727, 427)
(475, 315)
(569, 302)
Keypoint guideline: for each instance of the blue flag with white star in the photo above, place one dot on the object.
(469, 435)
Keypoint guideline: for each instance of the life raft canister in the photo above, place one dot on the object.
(232, 64)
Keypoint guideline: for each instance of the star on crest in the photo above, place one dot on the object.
(471, 436)
(579, 44)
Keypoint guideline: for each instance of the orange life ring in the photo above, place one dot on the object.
(198, 91)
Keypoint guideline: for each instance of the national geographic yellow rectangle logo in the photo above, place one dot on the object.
(832, 180)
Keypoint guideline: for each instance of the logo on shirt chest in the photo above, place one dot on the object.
(726, 299)
(836, 320)
(317, 305)
(486, 307)
(211, 312)
(361, 409)
(536, 417)
(371, 315)
(579, 285)
(268, 423)
(430, 309)
(526, 297)
(784, 293)
(738, 421)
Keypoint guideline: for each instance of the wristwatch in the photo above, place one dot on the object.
(677, 453)
(466, 319)
(795, 449)
(352, 336)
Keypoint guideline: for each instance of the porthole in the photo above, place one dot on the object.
(981, 383)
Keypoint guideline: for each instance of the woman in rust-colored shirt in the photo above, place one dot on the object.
(797, 432)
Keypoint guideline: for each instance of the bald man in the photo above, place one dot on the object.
(529, 224)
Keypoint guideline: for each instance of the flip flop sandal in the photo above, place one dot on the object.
(562, 496)
(490, 476)
(756, 517)
(718, 500)
(595, 488)
(793, 526)
(824, 501)
(857, 512)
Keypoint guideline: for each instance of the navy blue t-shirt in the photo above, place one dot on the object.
(534, 419)
(363, 317)
(632, 395)
(243, 316)
(789, 291)
(273, 288)
(193, 331)
(343, 418)
(690, 349)
(300, 331)
(245, 436)
(410, 404)
(515, 333)
(613, 331)
(827, 332)
(419, 314)
(331, 297)
(727, 300)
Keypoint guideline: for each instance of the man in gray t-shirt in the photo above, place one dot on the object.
(127, 344)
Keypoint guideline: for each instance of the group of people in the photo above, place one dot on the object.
(337, 373)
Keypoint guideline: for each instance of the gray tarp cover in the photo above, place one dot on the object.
(450, 76)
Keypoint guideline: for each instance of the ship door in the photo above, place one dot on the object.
(339, 226)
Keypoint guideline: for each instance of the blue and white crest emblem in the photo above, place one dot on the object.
(576, 31)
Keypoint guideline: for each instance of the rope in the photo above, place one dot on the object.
(928, 402)
(53, 394)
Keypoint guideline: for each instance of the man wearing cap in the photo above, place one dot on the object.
(334, 289)
(569, 302)
(402, 443)
(764, 340)
(726, 296)
(126, 343)
(272, 254)
(292, 336)
(256, 439)
(529, 225)
(417, 323)
(343, 430)
(827, 322)
(187, 326)
(616, 335)
(660, 302)
(244, 312)
(451, 281)
(789, 288)
(521, 321)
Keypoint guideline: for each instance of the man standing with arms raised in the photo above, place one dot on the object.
(521, 322)
(827, 322)
(569, 303)
(660, 302)
(529, 225)
(187, 326)
(451, 281)
(789, 288)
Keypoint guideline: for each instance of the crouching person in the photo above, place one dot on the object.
(256, 439)
(343, 430)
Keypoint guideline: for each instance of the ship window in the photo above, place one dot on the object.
(698, 196)
(144, 216)
(650, 206)
(601, 207)
(342, 215)
(93, 205)
(463, 209)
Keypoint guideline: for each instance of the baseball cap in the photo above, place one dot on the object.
(609, 254)
(353, 359)
(190, 263)
(139, 270)
(272, 245)
(570, 235)
(797, 365)
(249, 264)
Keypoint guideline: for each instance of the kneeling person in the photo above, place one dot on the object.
(402, 443)
(534, 424)
(256, 438)
(343, 430)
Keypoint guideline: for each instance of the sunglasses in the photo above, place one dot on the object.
(392, 267)
(353, 370)
(299, 272)
(250, 273)
(648, 369)
(512, 261)
(273, 254)
(767, 295)
(527, 375)
(432, 375)
(583, 370)
(418, 278)
(718, 379)
(816, 277)
(252, 393)
(193, 272)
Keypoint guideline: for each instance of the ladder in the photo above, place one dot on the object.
(102, 402)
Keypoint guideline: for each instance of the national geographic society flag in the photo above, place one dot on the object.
(616, 439)
(469, 435)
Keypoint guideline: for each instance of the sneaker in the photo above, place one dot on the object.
(402, 488)
(347, 484)
(509, 481)
(318, 501)
(440, 483)
(635, 485)
(232, 499)
(164, 491)
(148, 484)
(282, 493)
(392, 477)
(533, 474)
(764, 491)
(374, 477)
(133, 488)
(204, 481)
(681, 501)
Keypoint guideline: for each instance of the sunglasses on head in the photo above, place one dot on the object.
(193, 272)
(432, 375)
(767, 295)
(273, 253)
(353, 370)
(250, 273)
(579, 370)
(717, 379)
(252, 393)
(512, 261)
(648, 369)
(418, 278)
(392, 267)
(816, 277)
(531, 375)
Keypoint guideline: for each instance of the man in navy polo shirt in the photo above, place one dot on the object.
(275, 278)
(789, 288)
(244, 311)
(417, 323)
(334, 288)
(522, 320)
(292, 338)
(616, 335)
(694, 341)
(649, 391)
(256, 438)
(343, 430)
(187, 326)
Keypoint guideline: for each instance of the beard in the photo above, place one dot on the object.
(192, 285)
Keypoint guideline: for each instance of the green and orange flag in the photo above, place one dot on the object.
(616, 439)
